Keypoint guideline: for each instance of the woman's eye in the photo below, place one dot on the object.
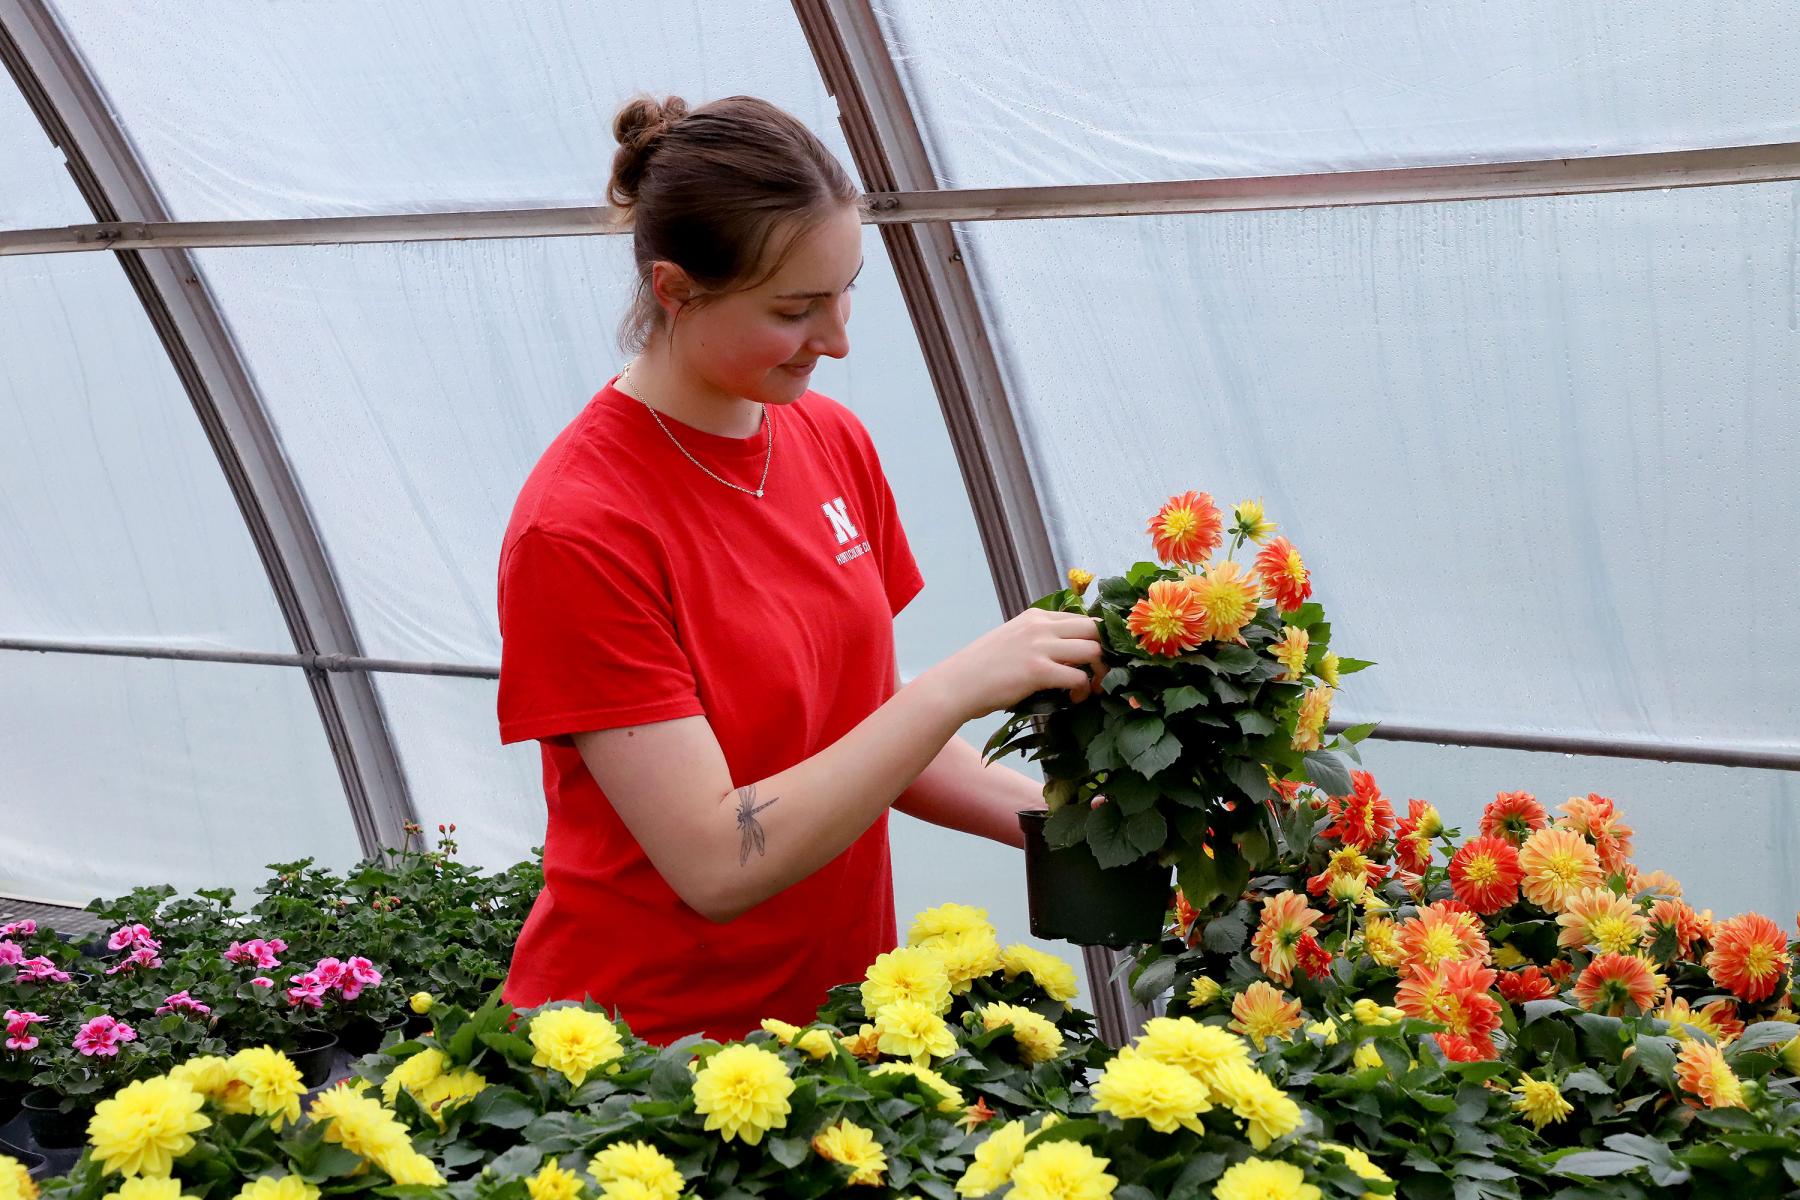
(799, 316)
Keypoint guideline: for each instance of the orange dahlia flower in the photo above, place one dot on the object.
(1315, 710)
(1701, 1068)
(1260, 1012)
(1311, 957)
(1290, 652)
(1484, 873)
(1615, 983)
(1228, 598)
(1346, 863)
(1527, 984)
(1285, 917)
(1456, 995)
(1749, 956)
(1557, 863)
(1514, 816)
(1664, 885)
(1284, 576)
(1674, 919)
(1169, 621)
(1594, 817)
(1462, 1049)
(1362, 818)
(1601, 917)
(1442, 932)
(1187, 528)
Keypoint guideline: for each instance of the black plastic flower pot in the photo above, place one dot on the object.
(51, 1128)
(1074, 899)
(315, 1057)
(10, 1095)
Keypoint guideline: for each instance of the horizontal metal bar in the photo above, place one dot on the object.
(257, 658)
(1720, 167)
(1717, 754)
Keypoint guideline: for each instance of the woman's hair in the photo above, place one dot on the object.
(722, 191)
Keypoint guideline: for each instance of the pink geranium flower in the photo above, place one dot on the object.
(24, 928)
(263, 981)
(11, 954)
(18, 1029)
(102, 1037)
(359, 973)
(41, 968)
(308, 990)
(143, 956)
(257, 951)
(329, 971)
(184, 1004)
(132, 935)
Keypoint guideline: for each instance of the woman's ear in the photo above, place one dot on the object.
(671, 286)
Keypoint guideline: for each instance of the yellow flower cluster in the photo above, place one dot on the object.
(1038, 1039)
(908, 1029)
(1259, 1179)
(553, 1182)
(947, 1094)
(636, 1163)
(814, 1043)
(1062, 1171)
(573, 1041)
(288, 1187)
(433, 1085)
(743, 1091)
(962, 938)
(16, 1182)
(267, 1083)
(363, 1126)
(1162, 1096)
(1049, 972)
(848, 1143)
(145, 1126)
(907, 973)
(1540, 1101)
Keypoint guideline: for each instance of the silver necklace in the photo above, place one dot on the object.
(768, 455)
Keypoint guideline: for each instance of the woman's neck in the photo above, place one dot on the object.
(659, 381)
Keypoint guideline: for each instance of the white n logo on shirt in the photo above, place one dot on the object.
(840, 520)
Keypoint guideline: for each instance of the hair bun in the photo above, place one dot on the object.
(638, 128)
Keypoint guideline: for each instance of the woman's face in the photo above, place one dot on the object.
(761, 344)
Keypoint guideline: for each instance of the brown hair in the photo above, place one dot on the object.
(711, 189)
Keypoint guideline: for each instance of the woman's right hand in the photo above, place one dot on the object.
(1035, 651)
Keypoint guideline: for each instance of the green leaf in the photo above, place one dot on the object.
(1154, 979)
(1328, 771)
(1306, 615)
(1235, 660)
(1250, 778)
(1158, 757)
(1138, 735)
(1103, 750)
(502, 1108)
(1066, 826)
(790, 1152)
(1350, 666)
(1763, 1034)
(1538, 1009)
(1146, 831)
(1226, 934)
(1357, 733)
(1067, 1131)
(1106, 837)
(1586, 1081)
(1254, 723)
(1180, 699)
(1656, 1058)
(1131, 792)
(1596, 1164)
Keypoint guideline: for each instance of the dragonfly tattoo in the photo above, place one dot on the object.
(747, 823)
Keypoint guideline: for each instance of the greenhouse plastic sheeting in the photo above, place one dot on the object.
(118, 772)
(1539, 454)
(1076, 92)
(35, 189)
(335, 106)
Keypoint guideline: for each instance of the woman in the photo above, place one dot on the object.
(697, 592)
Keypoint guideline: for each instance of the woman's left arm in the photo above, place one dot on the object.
(959, 791)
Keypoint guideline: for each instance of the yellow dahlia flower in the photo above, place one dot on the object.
(1251, 522)
(1079, 580)
(145, 1188)
(907, 973)
(1357, 1161)
(1327, 669)
(1368, 1012)
(211, 1076)
(1290, 652)
(573, 1041)
(1701, 1069)
(1541, 1101)
(420, 1002)
(1366, 1056)
(743, 1091)
(1315, 710)
(1381, 938)
(414, 1074)
(994, 1161)
(814, 1043)
(968, 956)
(908, 1029)
(947, 920)
(1229, 595)
(1049, 972)
(145, 1126)
(1038, 1040)
(1199, 1049)
(1162, 1096)
(1204, 991)
(1260, 1179)
(363, 1126)
(1267, 1111)
(638, 1162)
(16, 1182)
(553, 1183)
(272, 1082)
(952, 1097)
(855, 1147)
(1062, 1171)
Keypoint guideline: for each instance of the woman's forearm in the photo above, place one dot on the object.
(958, 791)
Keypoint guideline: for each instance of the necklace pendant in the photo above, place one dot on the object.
(759, 493)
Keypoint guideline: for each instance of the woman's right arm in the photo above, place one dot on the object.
(724, 849)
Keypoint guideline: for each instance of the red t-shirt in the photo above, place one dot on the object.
(634, 589)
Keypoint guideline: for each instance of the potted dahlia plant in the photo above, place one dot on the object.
(1218, 677)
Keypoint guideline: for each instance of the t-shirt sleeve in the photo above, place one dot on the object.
(587, 638)
(899, 570)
